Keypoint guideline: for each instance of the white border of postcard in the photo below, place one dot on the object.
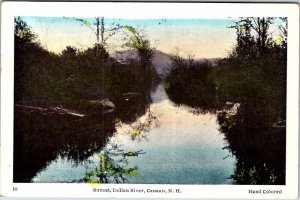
(147, 10)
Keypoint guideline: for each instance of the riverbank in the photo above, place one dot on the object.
(249, 97)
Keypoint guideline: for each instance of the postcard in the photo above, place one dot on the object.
(149, 100)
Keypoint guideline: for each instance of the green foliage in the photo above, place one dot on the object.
(254, 73)
(253, 37)
(190, 83)
(260, 82)
(112, 166)
(140, 129)
(102, 30)
(40, 74)
(137, 40)
(23, 34)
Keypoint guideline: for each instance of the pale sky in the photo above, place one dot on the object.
(203, 38)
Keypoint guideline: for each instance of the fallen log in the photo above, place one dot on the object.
(65, 111)
(31, 107)
(50, 110)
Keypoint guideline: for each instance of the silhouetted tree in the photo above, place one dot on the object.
(23, 34)
(245, 41)
(253, 34)
(283, 29)
(102, 30)
(69, 51)
(137, 40)
(24, 38)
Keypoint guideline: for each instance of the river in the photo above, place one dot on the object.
(170, 144)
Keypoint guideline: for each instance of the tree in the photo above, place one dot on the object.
(245, 41)
(137, 40)
(24, 41)
(253, 33)
(69, 51)
(261, 27)
(284, 31)
(102, 30)
(23, 34)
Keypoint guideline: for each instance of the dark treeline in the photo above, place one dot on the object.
(190, 83)
(41, 74)
(67, 103)
(252, 80)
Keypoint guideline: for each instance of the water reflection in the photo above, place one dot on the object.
(253, 128)
(258, 146)
(40, 139)
(112, 166)
(166, 145)
(184, 149)
(139, 129)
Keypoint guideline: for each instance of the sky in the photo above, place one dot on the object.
(200, 38)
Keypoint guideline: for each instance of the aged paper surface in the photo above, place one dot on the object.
(149, 100)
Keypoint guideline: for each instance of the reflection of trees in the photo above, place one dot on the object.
(140, 129)
(258, 146)
(112, 166)
(40, 139)
(189, 84)
(113, 160)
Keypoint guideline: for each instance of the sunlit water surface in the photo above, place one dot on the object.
(180, 148)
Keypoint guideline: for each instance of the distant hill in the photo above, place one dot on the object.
(160, 60)
(162, 63)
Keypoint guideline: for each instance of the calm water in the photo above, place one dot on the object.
(176, 146)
